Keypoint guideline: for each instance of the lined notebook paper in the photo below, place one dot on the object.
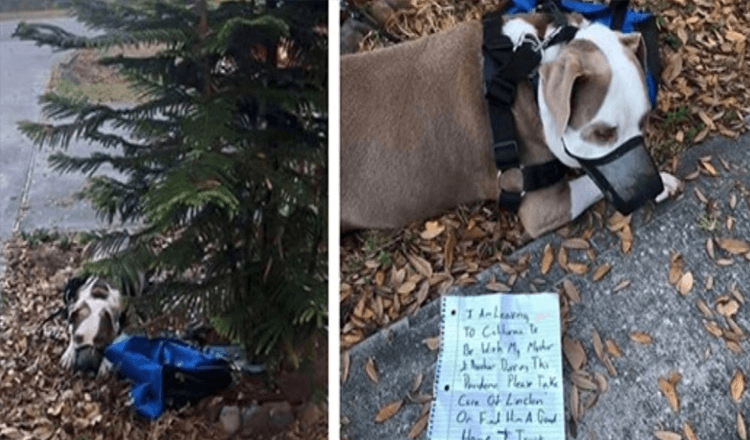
(499, 373)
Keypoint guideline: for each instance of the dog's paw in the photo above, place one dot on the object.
(104, 368)
(672, 186)
(68, 357)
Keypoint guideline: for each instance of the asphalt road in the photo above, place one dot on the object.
(32, 195)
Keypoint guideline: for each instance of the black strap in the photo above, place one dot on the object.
(542, 175)
(619, 8)
(504, 69)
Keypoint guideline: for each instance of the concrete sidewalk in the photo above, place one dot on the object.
(32, 195)
(632, 407)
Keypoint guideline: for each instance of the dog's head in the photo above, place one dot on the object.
(94, 316)
(593, 102)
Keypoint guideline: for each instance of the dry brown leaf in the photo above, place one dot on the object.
(710, 248)
(687, 429)
(741, 428)
(562, 258)
(371, 369)
(576, 244)
(421, 265)
(600, 272)
(448, 252)
(571, 291)
(388, 411)
(733, 246)
(432, 343)
(613, 348)
(699, 194)
(345, 363)
(573, 403)
(417, 382)
(581, 380)
(670, 393)
(574, 352)
(432, 230)
(675, 268)
(419, 426)
(712, 328)
(667, 435)
(733, 346)
(640, 337)
(578, 268)
(728, 308)
(737, 385)
(548, 257)
(704, 309)
(406, 288)
(601, 382)
(597, 343)
(622, 285)
(685, 283)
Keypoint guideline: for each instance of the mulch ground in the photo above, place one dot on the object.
(705, 91)
(40, 400)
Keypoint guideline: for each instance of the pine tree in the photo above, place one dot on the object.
(225, 157)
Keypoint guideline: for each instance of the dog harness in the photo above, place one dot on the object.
(506, 65)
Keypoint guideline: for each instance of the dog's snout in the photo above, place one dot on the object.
(88, 360)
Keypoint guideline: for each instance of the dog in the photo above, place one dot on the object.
(95, 317)
(416, 137)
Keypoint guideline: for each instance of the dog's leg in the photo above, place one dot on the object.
(68, 357)
(104, 368)
(583, 193)
(672, 186)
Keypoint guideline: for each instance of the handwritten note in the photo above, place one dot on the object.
(499, 374)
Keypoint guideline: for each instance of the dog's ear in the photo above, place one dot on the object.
(70, 290)
(635, 43)
(557, 79)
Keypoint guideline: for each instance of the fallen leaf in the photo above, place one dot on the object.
(622, 285)
(640, 337)
(597, 343)
(450, 245)
(571, 291)
(574, 353)
(687, 429)
(421, 265)
(675, 268)
(704, 309)
(417, 382)
(419, 426)
(578, 268)
(388, 411)
(613, 348)
(670, 393)
(685, 283)
(601, 382)
(432, 343)
(371, 369)
(548, 257)
(600, 272)
(737, 386)
(573, 403)
(581, 380)
(432, 230)
(576, 244)
(733, 245)
(741, 429)
(345, 363)
(667, 435)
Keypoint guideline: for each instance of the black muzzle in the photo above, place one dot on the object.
(88, 360)
(627, 176)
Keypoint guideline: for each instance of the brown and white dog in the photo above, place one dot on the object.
(94, 319)
(416, 136)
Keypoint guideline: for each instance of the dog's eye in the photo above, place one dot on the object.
(605, 134)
